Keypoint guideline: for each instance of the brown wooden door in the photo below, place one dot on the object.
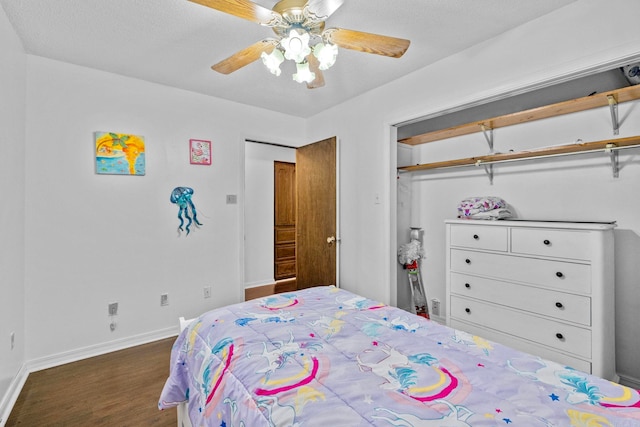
(284, 215)
(316, 221)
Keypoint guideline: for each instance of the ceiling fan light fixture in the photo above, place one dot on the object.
(296, 45)
(273, 60)
(299, 26)
(304, 74)
(326, 54)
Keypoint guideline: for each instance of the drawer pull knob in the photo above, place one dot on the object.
(468, 310)
(559, 274)
(468, 261)
(559, 336)
(476, 237)
(559, 305)
(546, 242)
(468, 286)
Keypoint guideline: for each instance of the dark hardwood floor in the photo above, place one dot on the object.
(116, 389)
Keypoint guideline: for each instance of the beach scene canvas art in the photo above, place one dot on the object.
(119, 153)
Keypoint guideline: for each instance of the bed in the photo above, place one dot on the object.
(327, 357)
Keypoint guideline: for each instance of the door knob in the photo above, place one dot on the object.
(331, 240)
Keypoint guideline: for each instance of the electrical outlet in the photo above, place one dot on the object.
(13, 340)
(113, 308)
(232, 199)
(164, 299)
(207, 291)
(435, 307)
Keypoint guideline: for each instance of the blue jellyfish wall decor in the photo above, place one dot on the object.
(181, 196)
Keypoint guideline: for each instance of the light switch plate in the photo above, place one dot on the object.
(113, 309)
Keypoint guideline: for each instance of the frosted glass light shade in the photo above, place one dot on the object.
(326, 54)
(296, 45)
(304, 75)
(273, 60)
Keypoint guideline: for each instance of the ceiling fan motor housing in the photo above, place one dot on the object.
(292, 11)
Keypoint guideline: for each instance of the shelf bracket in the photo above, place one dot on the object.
(613, 106)
(615, 166)
(488, 135)
(488, 169)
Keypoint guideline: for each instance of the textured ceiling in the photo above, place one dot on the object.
(175, 42)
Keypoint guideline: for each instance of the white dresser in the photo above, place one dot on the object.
(546, 288)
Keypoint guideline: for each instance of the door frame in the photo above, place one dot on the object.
(240, 291)
(338, 234)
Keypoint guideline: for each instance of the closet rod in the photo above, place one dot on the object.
(608, 146)
(548, 156)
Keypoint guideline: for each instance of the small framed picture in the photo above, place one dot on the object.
(199, 152)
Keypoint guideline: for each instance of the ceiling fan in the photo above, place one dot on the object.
(301, 37)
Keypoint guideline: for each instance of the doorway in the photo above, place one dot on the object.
(258, 234)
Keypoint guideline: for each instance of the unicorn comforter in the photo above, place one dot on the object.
(327, 357)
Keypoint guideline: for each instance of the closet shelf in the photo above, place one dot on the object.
(610, 98)
(607, 146)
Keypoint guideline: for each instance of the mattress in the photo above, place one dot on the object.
(327, 357)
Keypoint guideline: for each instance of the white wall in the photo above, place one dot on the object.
(364, 173)
(94, 239)
(12, 163)
(559, 44)
(258, 215)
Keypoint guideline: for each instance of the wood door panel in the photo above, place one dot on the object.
(285, 234)
(286, 252)
(316, 210)
(285, 190)
(285, 269)
(284, 225)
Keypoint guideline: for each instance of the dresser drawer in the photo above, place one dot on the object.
(560, 305)
(572, 244)
(524, 345)
(563, 276)
(479, 237)
(567, 338)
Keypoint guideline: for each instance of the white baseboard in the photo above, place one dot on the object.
(11, 396)
(629, 381)
(98, 349)
(438, 319)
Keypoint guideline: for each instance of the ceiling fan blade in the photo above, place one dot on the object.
(313, 67)
(320, 10)
(367, 42)
(245, 57)
(245, 9)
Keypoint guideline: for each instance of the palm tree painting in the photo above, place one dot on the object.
(119, 153)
